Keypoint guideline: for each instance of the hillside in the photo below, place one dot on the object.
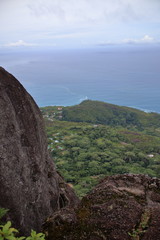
(86, 152)
(104, 113)
(109, 114)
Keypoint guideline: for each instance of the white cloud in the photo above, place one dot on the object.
(92, 10)
(20, 43)
(145, 39)
(28, 14)
(88, 20)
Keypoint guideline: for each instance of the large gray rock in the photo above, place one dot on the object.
(29, 185)
(121, 207)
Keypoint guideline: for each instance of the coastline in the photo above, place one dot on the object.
(86, 98)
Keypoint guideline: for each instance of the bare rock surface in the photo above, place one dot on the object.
(29, 185)
(121, 207)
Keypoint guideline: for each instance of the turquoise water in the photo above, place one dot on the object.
(128, 77)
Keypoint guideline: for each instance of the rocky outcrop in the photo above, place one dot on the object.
(121, 207)
(29, 185)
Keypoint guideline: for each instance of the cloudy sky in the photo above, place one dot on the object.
(78, 23)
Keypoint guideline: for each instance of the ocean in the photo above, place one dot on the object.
(123, 76)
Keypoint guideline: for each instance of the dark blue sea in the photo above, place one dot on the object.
(122, 76)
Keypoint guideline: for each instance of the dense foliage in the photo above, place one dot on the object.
(109, 114)
(85, 152)
(7, 232)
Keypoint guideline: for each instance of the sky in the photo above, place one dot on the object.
(78, 23)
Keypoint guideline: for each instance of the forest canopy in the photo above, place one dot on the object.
(110, 140)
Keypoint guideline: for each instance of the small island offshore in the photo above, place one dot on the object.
(108, 154)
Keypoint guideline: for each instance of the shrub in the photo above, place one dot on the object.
(9, 233)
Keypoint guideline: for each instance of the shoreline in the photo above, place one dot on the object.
(133, 107)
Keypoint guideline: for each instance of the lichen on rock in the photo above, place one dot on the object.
(122, 207)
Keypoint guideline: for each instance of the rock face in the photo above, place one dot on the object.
(29, 185)
(121, 207)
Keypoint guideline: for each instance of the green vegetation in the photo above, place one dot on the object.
(103, 113)
(3, 212)
(9, 233)
(104, 140)
(142, 227)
